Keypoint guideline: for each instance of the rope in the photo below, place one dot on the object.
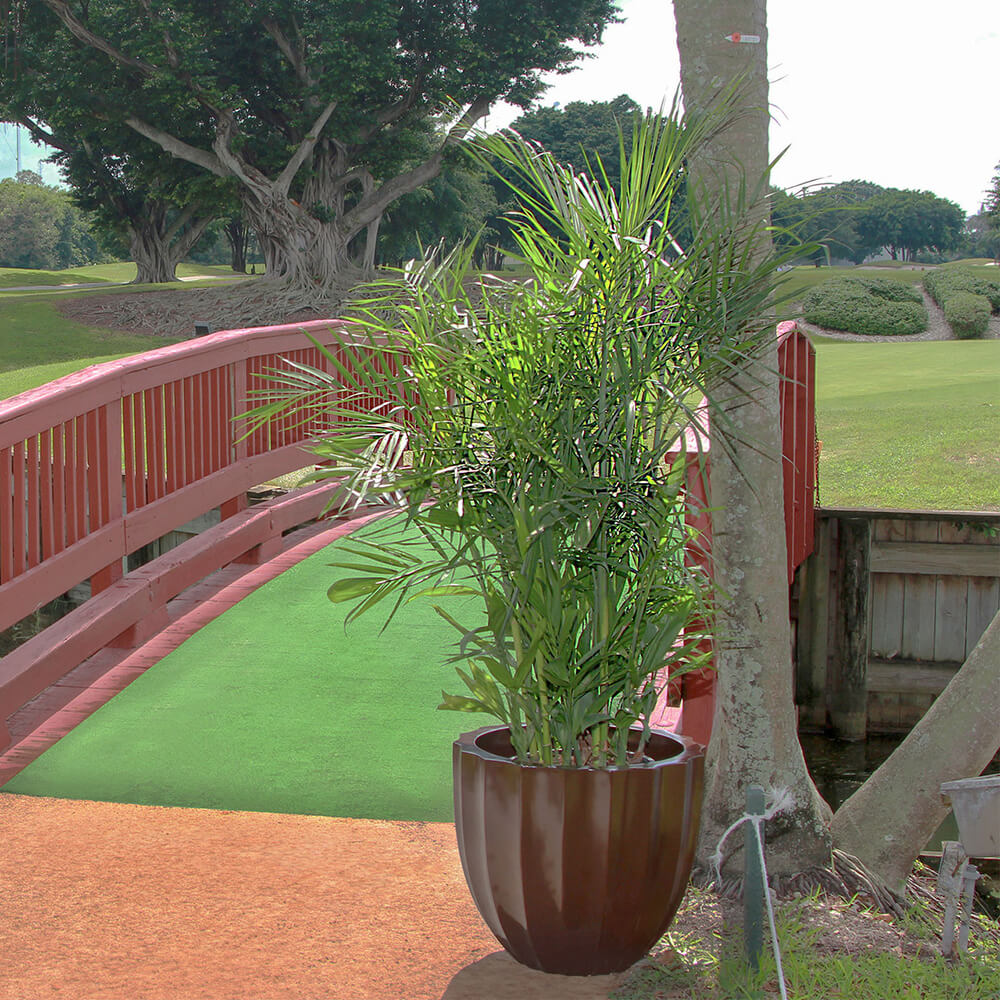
(757, 821)
(781, 801)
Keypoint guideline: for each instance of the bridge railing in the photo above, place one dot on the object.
(100, 463)
(97, 464)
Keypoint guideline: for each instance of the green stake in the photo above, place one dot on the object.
(753, 882)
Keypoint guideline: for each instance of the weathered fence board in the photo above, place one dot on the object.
(935, 558)
(919, 591)
(887, 593)
(984, 599)
(934, 587)
(847, 659)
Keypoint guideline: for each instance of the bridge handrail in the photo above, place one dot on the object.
(101, 462)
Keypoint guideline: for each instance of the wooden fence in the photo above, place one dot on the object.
(888, 607)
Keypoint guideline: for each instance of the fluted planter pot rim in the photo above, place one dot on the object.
(472, 741)
(577, 870)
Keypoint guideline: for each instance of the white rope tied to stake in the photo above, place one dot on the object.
(781, 800)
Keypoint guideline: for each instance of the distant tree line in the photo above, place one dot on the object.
(857, 219)
(983, 228)
(132, 202)
(42, 227)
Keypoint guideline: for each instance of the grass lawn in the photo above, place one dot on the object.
(33, 334)
(272, 707)
(912, 425)
(830, 949)
(12, 277)
(21, 379)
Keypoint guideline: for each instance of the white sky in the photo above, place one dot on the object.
(900, 92)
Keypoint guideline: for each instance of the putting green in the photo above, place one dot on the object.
(273, 707)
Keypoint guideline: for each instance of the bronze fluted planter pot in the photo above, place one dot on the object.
(577, 871)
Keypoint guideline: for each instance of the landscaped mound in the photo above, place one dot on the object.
(966, 298)
(875, 307)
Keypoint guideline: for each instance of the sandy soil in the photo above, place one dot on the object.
(117, 902)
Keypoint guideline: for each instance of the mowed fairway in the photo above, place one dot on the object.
(909, 425)
(273, 707)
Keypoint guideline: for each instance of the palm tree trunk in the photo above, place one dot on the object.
(754, 736)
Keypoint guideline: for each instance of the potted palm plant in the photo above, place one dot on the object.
(531, 429)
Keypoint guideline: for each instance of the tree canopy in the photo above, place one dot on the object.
(319, 112)
(40, 227)
(826, 219)
(855, 219)
(983, 230)
(906, 222)
(576, 132)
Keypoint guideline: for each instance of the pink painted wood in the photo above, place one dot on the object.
(797, 401)
(95, 465)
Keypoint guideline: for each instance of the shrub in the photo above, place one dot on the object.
(894, 291)
(942, 284)
(853, 305)
(968, 315)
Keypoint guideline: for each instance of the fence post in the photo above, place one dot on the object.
(812, 630)
(110, 474)
(847, 680)
(753, 880)
(238, 386)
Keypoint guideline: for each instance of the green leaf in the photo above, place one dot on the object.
(460, 703)
(351, 588)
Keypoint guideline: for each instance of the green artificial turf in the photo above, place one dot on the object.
(273, 708)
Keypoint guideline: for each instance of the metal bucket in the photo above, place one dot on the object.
(976, 803)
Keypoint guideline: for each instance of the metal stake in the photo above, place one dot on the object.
(969, 877)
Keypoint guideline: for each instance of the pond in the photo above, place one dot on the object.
(839, 768)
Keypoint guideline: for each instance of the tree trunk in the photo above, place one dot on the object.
(238, 237)
(887, 822)
(306, 246)
(150, 249)
(158, 244)
(754, 736)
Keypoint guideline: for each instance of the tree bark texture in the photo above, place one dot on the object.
(754, 736)
(238, 237)
(887, 822)
(157, 245)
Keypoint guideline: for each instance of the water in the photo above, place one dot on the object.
(839, 768)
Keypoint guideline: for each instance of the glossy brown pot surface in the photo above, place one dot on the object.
(577, 871)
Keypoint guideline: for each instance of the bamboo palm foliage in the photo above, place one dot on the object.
(528, 430)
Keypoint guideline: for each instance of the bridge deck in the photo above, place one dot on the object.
(75, 697)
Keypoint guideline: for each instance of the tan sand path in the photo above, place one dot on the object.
(102, 901)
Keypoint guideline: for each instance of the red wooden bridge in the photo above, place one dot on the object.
(97, 465)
